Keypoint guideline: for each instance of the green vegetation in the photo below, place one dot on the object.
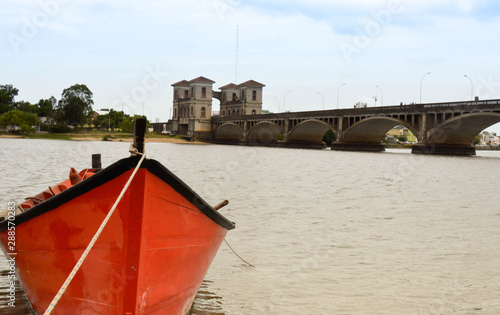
(75, 107)
(329, 138)
(401, 139)
(72, 114)
(7, 95)
(19, 121)
(476, 140)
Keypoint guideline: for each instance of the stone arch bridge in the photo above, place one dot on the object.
(441, 128)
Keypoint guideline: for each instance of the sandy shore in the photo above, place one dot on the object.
(117, 139)
(11, 136)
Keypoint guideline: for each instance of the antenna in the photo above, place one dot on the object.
(236, 64)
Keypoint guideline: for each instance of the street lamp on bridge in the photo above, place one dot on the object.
(338, 91)
(421, 85)
(471, 88)
(284, 101)
(381, 96)
(323, 100)
(278, 103)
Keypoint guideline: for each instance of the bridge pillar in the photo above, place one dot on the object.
(423, 128)
(443, 149)
(340, 129)
(286, 130)
(245, 131)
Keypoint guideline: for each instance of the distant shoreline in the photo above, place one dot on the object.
(160, 139)
(99, 137)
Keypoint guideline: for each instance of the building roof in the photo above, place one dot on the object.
(202, 80)
(231, 86)
(181, 83)
(251, 83)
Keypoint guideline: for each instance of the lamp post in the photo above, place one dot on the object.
(323, 100)
(338, 91)
(278, 103)
(381, 95)
(421, 85)
(284, 100)
(471, 88)
(109, 121)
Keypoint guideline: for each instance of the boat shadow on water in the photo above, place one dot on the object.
(206, 302)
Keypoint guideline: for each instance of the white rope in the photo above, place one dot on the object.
(92, 242)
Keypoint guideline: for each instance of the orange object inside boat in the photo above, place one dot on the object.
(74, 178)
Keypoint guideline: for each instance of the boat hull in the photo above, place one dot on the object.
(150, 258)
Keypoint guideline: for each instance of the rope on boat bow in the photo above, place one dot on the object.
(243, 260)
(94, 239)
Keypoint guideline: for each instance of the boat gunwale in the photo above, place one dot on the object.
(113, 171)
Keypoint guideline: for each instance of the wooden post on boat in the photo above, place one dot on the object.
(220, 205)
(96, 161)
(139, 132)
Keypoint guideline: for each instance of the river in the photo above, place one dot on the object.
(328, 232)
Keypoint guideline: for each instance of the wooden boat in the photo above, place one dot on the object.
(151, 257)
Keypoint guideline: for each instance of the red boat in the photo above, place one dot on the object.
(150, 258)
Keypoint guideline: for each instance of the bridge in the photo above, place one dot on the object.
(440, 128)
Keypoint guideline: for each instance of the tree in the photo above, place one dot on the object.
(127, 124)
(47, 112)
(75, 106)
(401, 138)
(7, 94)
(112, 119)
(329, 137)
(18, 119)
(46, 107)
(26, 107)
(476, 140)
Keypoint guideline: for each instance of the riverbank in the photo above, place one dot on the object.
(102, 136)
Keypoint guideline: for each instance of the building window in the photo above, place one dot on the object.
(254, 95)
(186, 94)
(254, 112)
(204, 92)
(234, 96)
(192, 111)
(223, 113)
(175, 113)
(203, 112)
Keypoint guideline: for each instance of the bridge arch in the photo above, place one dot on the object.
(373, 129)
(461, 130)
(228, 133)
(310, 132)
(264, 132)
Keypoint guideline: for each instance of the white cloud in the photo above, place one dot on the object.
(284, 44)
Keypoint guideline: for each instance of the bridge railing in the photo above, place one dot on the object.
(466, 103)
(366, 110)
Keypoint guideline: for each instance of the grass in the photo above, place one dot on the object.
(95, 134)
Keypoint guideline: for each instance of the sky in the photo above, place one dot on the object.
(128, 53)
